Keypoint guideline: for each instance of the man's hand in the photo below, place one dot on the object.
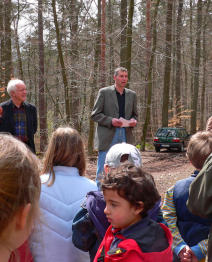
(116, 122)
(133, 122)
(1, 111)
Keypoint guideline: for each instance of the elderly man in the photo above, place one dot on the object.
(18, 117)
(115, 112)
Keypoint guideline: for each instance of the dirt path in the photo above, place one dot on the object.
(166, 167)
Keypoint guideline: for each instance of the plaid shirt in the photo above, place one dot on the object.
(20, 122)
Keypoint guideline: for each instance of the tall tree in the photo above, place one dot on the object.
(111, 44)
(178, 62)
(194, 99)
(148, 32)
(167, 71)
(62, 63)
(204, 59)
(173, 65)
(7, 53)
(42, 100)
(16, 23)
(74, 8)
(123, 15)
(129, 38)
(191, 42)
(103, 44)
(97, 51)
(149, 74)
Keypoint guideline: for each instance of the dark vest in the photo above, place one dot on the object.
(193, 229)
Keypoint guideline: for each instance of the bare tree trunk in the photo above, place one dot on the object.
(192, 55)
(7, 42)
(74, 56)
(103, 45)
(149, 75)
(167, 71)
(60, 53)
(111, 48)
(186, 90)
(94, 84)
(172, 98)
(84, 94)
(148, 33)
(123, 15)
(129, 38)
(178, 62)
(42, 101)
(20, 68)
(202, 109)
(196, 69)
(35, 76)
(31, 73)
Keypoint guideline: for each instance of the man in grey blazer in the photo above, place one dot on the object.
(115, 111)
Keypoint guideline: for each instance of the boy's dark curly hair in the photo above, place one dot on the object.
(133, 184)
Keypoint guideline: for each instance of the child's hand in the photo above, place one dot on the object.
(194, 258)
(185, 254)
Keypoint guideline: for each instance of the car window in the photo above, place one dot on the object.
(172, 133)
(166, 132)
(162, 132)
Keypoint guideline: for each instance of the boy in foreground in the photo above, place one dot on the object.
(90, 223)
(129, 193)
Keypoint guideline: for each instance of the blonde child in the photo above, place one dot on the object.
(129, 194)
(63, 189)
(19, 196)
(190, 232)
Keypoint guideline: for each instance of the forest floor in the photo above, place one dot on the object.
(166, 167)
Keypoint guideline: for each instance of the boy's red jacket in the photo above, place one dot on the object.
(128, 250)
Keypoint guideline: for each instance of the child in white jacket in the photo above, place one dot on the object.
(62, 192)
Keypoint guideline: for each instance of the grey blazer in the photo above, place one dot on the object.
(105, 109)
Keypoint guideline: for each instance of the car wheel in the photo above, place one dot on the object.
(181, 149)
(157, 149)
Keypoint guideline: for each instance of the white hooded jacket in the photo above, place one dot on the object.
(52, 238)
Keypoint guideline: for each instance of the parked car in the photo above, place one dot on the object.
(171, 137)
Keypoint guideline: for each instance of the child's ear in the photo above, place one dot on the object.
(22, 216)
(139, 207)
